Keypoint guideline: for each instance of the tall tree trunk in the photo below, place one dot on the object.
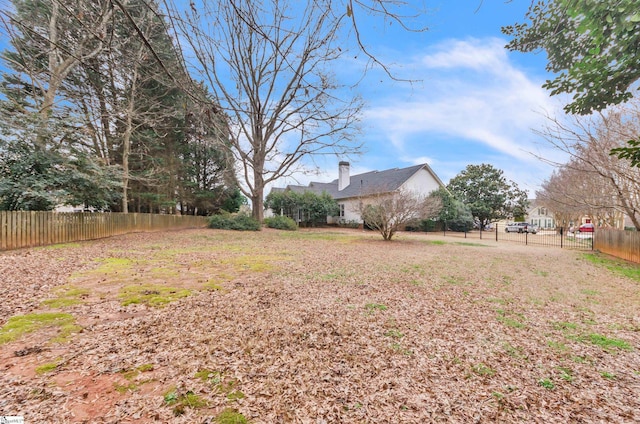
(126, 143)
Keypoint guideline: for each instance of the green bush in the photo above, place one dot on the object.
(281, 222)
(348, 224)
(238, 222)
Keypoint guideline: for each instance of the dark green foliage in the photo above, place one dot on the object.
(455, 215)
(281, 222)
(487, 194)
(238, 222)
(233, 200)
(111, 122)
(308, 207)
(591, 46)
(35, 177)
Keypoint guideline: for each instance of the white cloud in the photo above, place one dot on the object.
(481, 97)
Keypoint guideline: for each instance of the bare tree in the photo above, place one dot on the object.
(269, 65)
(593, 180)
(388, 212)
(74, 31)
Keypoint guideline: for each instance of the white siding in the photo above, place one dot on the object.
(421, 183)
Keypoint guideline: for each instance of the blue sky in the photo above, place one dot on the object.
(471, 102)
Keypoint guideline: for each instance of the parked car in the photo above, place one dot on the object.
(586, 228)
(520, 227)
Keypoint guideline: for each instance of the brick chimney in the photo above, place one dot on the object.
(343, 175)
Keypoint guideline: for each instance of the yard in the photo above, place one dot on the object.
(316, 326)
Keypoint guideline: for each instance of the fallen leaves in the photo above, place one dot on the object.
(319, 326)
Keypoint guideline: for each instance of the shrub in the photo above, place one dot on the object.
(238, 222)
(348, 224)
(281, 222)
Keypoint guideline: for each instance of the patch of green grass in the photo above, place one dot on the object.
(483, 370)
(615, 265)
(566, 373)
(514, 352)
(590, 292)
(564, 326)
(182, 401)
(60, 302)
(133, 373)
(214, 377)
(398, 348)
(152, 295)
(163, 272)
(212, 286)
(113, 265)
(231, 416)
(338, 275)
(125, 388)
(48, 367)
(463, 243)
(311, 235)
(19, 325)
(394, 334)
(252, 263)
(504, 318)
(579, 359)
(607, 343)
(608, 375)
(559, 346)
(435, 242)
(455, 281)
(542, 273)
(145, 367)
(371, 307)
(67, 296)
(546, 383)
(235, 395)
(217, 380)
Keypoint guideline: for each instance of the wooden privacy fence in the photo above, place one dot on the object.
(619, 243)
(20, 229)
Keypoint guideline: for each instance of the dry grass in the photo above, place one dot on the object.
(321, 326)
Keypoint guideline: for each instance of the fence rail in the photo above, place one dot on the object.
(619, 243)
(20, 229)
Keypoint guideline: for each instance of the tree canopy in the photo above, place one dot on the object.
(592, 46)
(306, 207)
(89, 114)
(487, 193)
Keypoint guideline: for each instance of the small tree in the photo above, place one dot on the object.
(453, 214)
(387, 212)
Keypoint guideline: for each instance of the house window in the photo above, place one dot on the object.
(341, 210)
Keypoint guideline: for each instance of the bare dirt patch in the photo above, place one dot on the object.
(319, 326)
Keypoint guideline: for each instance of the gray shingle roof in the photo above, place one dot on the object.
(367, 183)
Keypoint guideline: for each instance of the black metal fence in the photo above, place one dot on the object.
(562, 238)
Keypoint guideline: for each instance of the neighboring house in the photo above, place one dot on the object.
(349, 190)
(540, 216)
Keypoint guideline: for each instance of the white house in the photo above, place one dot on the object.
(540, 216)
(349, 190)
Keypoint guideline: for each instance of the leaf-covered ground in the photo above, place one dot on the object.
(318, 326)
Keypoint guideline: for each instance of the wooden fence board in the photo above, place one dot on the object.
(20, 229)
(618, 243)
